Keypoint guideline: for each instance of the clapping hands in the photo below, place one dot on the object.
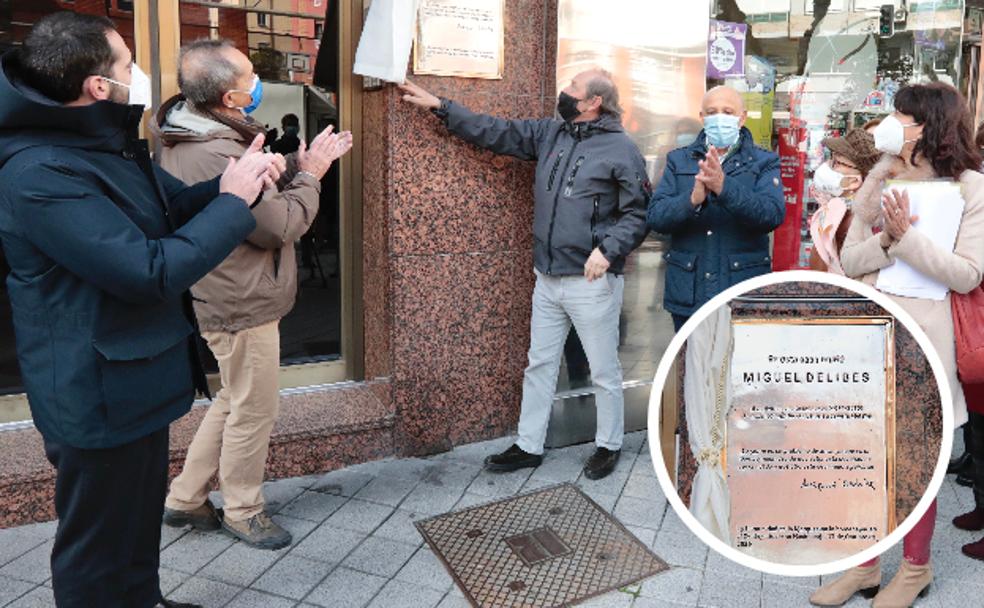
(710, 178)
(323, 151)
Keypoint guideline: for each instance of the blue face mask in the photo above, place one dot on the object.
(722, 130)
(256, 94)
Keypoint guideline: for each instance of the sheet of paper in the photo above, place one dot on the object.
(939, 206)
(387, 37)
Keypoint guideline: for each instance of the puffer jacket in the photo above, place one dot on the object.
(102, 246)
(725, 240)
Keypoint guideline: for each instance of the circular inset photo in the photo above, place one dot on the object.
(796, 423)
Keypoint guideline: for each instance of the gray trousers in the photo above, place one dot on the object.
(594, 308)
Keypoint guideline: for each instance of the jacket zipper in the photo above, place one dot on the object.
(553, 172)
(569, 189)
(594, 222)
(553, 213)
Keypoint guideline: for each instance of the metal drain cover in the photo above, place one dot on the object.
(552, 547)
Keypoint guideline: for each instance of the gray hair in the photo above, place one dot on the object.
(603, 85)
(205, 74)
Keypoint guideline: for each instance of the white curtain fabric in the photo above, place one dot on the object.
(706, 397)
(387, 36)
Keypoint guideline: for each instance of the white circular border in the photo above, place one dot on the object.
(671, 493)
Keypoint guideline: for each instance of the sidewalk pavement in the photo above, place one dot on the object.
(355, 544)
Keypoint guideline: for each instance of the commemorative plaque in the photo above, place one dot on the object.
(462, 38)
(810, 437)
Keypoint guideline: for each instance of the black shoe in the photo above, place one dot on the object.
(171, 604)
(512, 459)
(957, 464)
(965, 480)
(601, 463)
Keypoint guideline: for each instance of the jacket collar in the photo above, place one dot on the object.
(166, 127)
(606, 123)
(28, 118)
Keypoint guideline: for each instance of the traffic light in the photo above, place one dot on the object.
(886, 21)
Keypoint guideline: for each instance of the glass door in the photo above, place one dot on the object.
(297, 48)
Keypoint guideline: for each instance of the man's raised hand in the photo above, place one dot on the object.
(418, 96)
(324, 150)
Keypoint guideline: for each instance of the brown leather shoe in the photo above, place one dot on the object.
(863, 579)
(972, 521)
(206, 517)
(974, 550)
(910, 582)
(258, 531)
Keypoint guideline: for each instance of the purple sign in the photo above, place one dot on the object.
(725, 49)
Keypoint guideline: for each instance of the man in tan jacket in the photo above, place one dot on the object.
(240, 303)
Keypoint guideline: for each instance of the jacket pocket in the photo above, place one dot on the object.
(594, 224)
(553, 171)
(569, 188)
(144, 370)
(681, 277)
(743, 266)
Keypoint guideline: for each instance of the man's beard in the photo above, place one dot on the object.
(119, 94)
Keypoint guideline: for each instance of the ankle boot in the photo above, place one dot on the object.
(912, 581)
(863, 579)
(972, 521)
(975, 549)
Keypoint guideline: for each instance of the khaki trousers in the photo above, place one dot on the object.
(234, 437)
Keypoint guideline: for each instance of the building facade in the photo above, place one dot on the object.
(411, 327)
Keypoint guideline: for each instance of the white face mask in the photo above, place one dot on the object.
(827, 179)
(139, 87)
(890, 135)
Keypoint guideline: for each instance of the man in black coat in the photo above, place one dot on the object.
(103, 246)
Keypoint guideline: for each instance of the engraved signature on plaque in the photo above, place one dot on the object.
(462, 38)
(810, 437)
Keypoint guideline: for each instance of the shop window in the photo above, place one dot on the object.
(817, 68)
(300, 78)
(658, 67)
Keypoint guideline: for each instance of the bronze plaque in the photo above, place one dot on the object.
(463, 38)
(810, 437)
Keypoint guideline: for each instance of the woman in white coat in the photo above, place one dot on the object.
(929, 136)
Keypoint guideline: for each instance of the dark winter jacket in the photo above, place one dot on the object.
(725, 240)
(103, 246)
(591, 186)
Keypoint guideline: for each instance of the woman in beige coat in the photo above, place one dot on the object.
(929, 136)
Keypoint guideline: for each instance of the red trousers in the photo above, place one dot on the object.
(919, 540)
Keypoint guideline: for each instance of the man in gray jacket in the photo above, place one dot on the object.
(589, 214)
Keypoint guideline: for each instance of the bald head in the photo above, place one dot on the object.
(720, 99)
(209, 69)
